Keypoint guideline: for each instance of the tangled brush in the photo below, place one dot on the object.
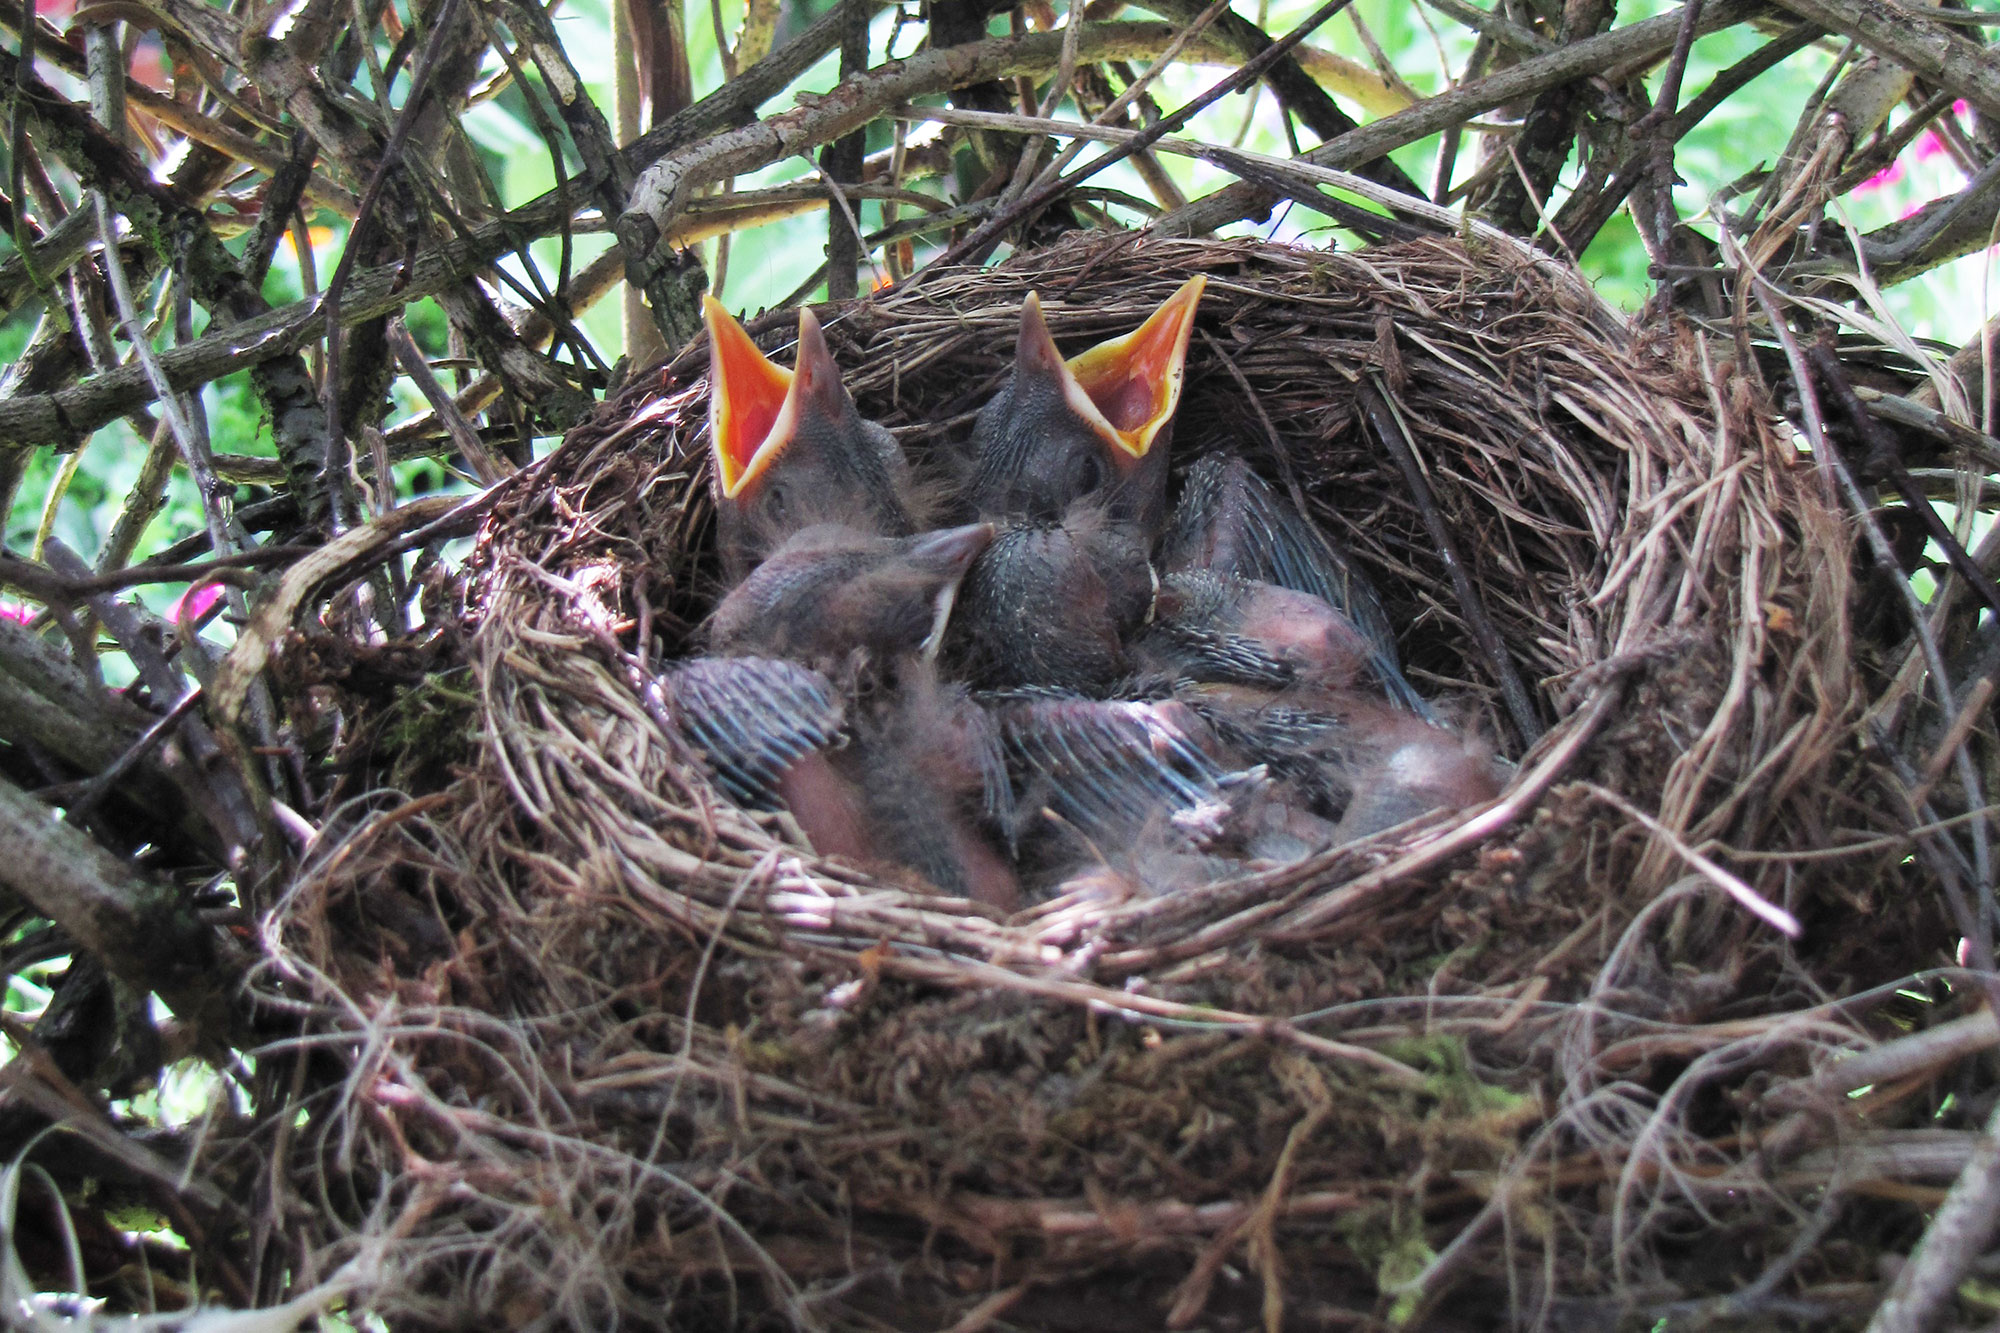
(589, 1045)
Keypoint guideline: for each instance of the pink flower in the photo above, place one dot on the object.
(15, 612)
(1883, 179)
(194, 608)
(1929, 145)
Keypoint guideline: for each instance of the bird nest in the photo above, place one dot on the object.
(593, 1046)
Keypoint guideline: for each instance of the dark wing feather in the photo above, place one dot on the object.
(1113, 768)
(751, 717)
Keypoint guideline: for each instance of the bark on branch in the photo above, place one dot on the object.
(136, 926)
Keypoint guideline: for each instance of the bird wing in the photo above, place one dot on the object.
(751, 717)
(1112, 768)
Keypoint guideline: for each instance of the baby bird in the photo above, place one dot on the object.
(915, 783)
(1048, 605)
(1070, 459)
(1402, 770)
(1122, 778)
(1344, 755)
(1230, 522)
(933, 783)
(1216, 627)
(1097, 424)
(765, 728)
(790, 449)
(890, 769)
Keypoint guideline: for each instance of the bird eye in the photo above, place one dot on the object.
(776, 503)
(1086, 472)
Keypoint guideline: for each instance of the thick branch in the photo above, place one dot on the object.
(662, 193)
(69, 415)
(180, 235)
(46, 702)
(1930, 50)
(1296, 90)
(136, 926)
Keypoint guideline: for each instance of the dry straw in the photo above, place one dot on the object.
(608, 1049)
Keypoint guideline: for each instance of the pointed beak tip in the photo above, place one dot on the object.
(956, 548)
(1135, 381)
(812, 337)
(1035, 348)
(820, 389)
(715, 315)
(749, 402)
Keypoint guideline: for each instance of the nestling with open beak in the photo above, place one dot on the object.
(1070, 459)
(1097, 424)
(790, 449)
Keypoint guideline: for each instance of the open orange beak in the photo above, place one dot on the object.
(1128, 388)
(754, 406)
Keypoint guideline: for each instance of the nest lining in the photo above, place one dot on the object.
(658, 1064)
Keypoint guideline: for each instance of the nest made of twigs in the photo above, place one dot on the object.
(616, 1051)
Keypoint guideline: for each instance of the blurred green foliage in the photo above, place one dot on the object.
(768, 263)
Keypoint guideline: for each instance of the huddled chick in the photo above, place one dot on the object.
(1075, 684)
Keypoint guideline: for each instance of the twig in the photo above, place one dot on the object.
(1584, 214)
(1973, 920)
(333, 471)
(1386, 423)
(1885, 460)
(484, 466)
(136, 927)
(218, 785)
(193, 447)
(1970, 714)
(1956, 1236)
(1281, 173)
(1633, 43)
(44, 584)
(840, 162)
(988, 233)
(1746, 897)
(1933, 51)
(661, 194)
(95, 790)
(1656, 127)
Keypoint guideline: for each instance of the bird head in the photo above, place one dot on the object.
(790, 448)
(1097, 423)
(830, 592)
